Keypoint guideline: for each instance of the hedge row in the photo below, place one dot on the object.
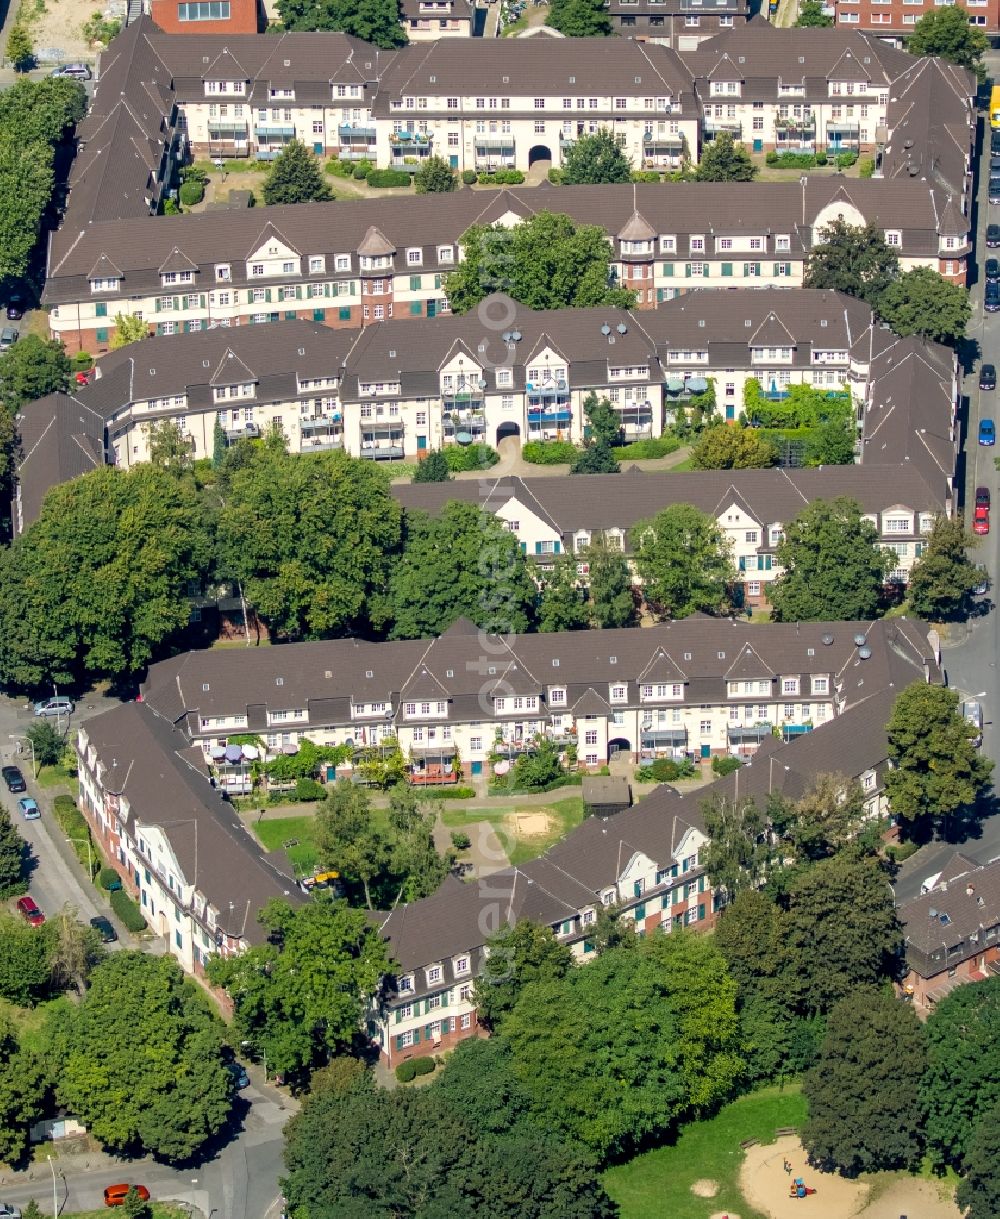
(469, 457)
(502, 177)
(75, 828)
(658, 446)
(445, 793)
(548, 452)
(127, 911)
(387, 177)
(409, 1070)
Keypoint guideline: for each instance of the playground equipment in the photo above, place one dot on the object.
(799, 1189)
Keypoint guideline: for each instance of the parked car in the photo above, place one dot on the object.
(982, 497)
(239, 1073)
(15, 783)
(973, 713)
(994, 162)
(104, 929)
(991, 298)
(114, 1195)
(983, 587)
(55, 706)
(15, 307)
(78, 71)
(29, 911)
(988, 376)
(994, 190)
(981, 521)
(29, 808)
(992, 270)
(993, 235)
(9, 1211)
(8, 337)
(987, 432)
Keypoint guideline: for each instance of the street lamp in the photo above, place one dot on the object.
(90, 858)
(55, 1200)
(16, 737)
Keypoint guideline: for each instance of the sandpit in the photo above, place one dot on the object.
(705, 1187)
(531, 824)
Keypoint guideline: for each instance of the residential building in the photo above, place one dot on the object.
(681, 24)
(58, 439)
(426, 20)
(951, 932)
(893, 20)
(209, 16)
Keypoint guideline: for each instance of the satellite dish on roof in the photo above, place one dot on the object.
(826, 640)
(859, 640)
(864, 653)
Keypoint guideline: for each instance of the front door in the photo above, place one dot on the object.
(758, 145)
(318, 149)
(453, 160)
(431, 308)
(421, 443)
(706, 751)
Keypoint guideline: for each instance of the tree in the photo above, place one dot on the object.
(139, 1059)
(852, 259)
(740, 851)
(605, 427)
(723, 160)
(923, 302)
(433, 469)
(833, 566)
(12, 860)
(295, 177)
(134, 1207)
(300, 998)
(128, 329)
(517, 956)
(831, 443)
(962, 1082)
(841, 930)
(979, 1190)
(24, 963)
(546, 262)
(168, 447)
(950, 36)
(580, 19)
(827, 818)
(376, 21)
(609, 585)
(26, 180)
(31, 369)
(724, 447)
(96, 584)
(42, 111)
(684, 561)
(22, 1093)
(20, 49)
(416, 867)
(811, 15)
(74, 951)
(750, 934)
(320, 566)
(434, 177)
(462, 562)
(864, 1091)
(349, 839)
(31, 1210)
(595, 458)
(596, 158)
(943, 578)
(47, 742)
(936, 771)
(563, 606)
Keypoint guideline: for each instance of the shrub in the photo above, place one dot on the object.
(127, 911)
(170, 207)
(340, 169)
(460, 841)
(548, 452)
(502, 177)
(191, 192)
(407, 1071)
(470, 457)
(846, 159)
(867, 167)
(469, 176)
(82, 361)
(100, 28)
(645, 175)
(361, 170)
(555, 176)
(605, 770)
(791, 160)
(658, 446)
(726, 765)
(423, 1066)
(309, 789)
(822, 158)
(109, 880)
(665, 770)
(771, 158)
(445, 793)
(381, 178)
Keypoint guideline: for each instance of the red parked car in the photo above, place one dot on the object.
(981, 520)
(29, 911)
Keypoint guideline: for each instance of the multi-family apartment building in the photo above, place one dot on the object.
(681, 24)
(425, 20)
(894, 20)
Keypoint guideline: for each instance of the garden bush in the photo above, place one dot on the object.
(460, 841)
(867, 168)
(445, 793)
(821, 158)
(502, 177)
(340, 169)
(791, 160)
(470, 457)
(127, 911)
(109, 880)
(469, 176)
(423, 1066)
(361, 170)
(191, 192)
(407, 1071)
(548, 452)
(82, 361)
(846, 159)
(309, 789)
(555, 176)
(645, 175)
(725, 765)
(658, 446)
(381, 178)
(665, 770)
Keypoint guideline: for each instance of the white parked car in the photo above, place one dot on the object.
(60, 706)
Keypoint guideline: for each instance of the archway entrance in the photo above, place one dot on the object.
(619, 744)
(540, 152)
(506, 430)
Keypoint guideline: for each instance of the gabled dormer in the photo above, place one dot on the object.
(177, 269)
(273, 254)
(232, 379)
(105, 275)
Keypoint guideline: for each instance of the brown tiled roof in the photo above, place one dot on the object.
(58, 438)
(965, 904)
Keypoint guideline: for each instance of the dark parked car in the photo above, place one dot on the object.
(988, 377)
(994, 190)
(993, 236)
(14, 779)
(991, 300)
(104, 929)
(982, 497)
(992, 270)
(239, 1073)
(8, 337)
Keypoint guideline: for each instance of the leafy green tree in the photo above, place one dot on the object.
(831, 443)
(20, 49)
(12, 861)
(433, 469)
(563, 606)
(979, 1189)
(684, 561)
(31, 1210)
(546, 262)
(827, 818)
(923, 302)
(811, 15)
(833, 566)
(936, 771)
(376, 21)
(949, 35)
(750, 935)
(943, 578)
(47, 742)
(134, 1207)
(129, 328)
(42, 111)
(300, 998)
(295, 176)
(168, 448)
(852, 259)
(319, 567)
(539, 768)
(349, 839)
(609, 585)
(623, 1049)
(517, 957)
(26, 181)
(740, 851)
(609, 931)
(724, 160)
(603, 420)
(435, 177)
(580, 18)
(461, 562)
(25, 974)
(962, 1081)
(31, 369)
(417, 868)
(22, 1094)
(100, 580)
(139, 1059)
(864, 1091)
(595, 159)
(725, 447)
(595, 458)
(841, 930)
(74, 951)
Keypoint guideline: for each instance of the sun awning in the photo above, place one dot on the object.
(697, 385)
(234, 753)
(673, 385)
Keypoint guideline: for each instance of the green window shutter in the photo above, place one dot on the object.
(428, 1033)
(659, 296)
(444, 999)
(437, 281)
(558, 548)
(267, 294)
(416, 1036)
(727, 268)
(706, 269)
(202, 299)
(187, 328)
(701, 884)
(290, 315)
(298, 292)
(416, 308)
(668, 270)
(415, 283)
(102, 309)
(687, 270)
(326, 289)
(177, 302)
(399, 1015)
(588, 945)
(664, 901)
(156, 306)
(767, 562)
(746, 269)
(102, 335)
(399, 1041)
(701, 912)
(524, 548)
(777, 268)
(319, 315)
(345, 314)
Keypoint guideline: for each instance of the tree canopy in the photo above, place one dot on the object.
(725, 447)
(300, 997)
(295, 176)
(546, 262)
(852, 259)
(811, 15)
(129, 328)
(30, 369)
(563, 605)
(94, 586)
(923, 302)
(377, 21)
(833, 566)
(12, 862)
(580, 18)
(724, 160)
(943, 578)
(595, 159)
(22, 1092)
(609, 585)
(684, 561)
(434, 177)
(433, 468)
(946, 32)
(517, 957)
(979, 1190)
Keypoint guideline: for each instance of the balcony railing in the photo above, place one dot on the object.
(803, 123)
(275, 131)
(410, 138)
(382, 452)
(227, 131)
(502, 144)
(714, 126)
(549, 418)
(346, 131)
(668, 145)
(323, 440)
(548, 392)
(463, 400)
(242, 431)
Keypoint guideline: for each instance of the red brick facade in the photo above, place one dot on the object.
(245, 17)
(898, 17)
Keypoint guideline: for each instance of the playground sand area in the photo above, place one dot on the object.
(531, 824)
(764, 1183)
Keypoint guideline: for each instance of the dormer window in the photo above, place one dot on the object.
(105, 285)
(223, 272)
(608, 897)
(406, 984)
(434, 974)
(176, 277)
(461, 965)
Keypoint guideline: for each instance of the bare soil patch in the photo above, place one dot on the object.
(531, 824)
(57, 26)
(705, 1187)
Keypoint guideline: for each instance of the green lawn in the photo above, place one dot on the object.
(658, 1183)
(56, 776)
(160, 1210)
(274, 834)
(28, 1021)
(566, 814)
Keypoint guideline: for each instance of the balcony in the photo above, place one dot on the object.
(540, 417)
(464, 427)
(432, 765)
(410, 138)
(842, 135)
(463, 400)
(272, 132)
(241, 431)
(502, 145)
(549, 391)
(803, 123)
(637, 420)
(662, 742)
(348, 132)
(321, 432)
(662, 145)
(382, 452)
(712, 127)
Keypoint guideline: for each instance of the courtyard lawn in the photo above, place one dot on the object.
(525, 831)
(273, 835)
(659, 1182)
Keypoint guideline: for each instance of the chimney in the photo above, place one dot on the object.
(969, 890)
